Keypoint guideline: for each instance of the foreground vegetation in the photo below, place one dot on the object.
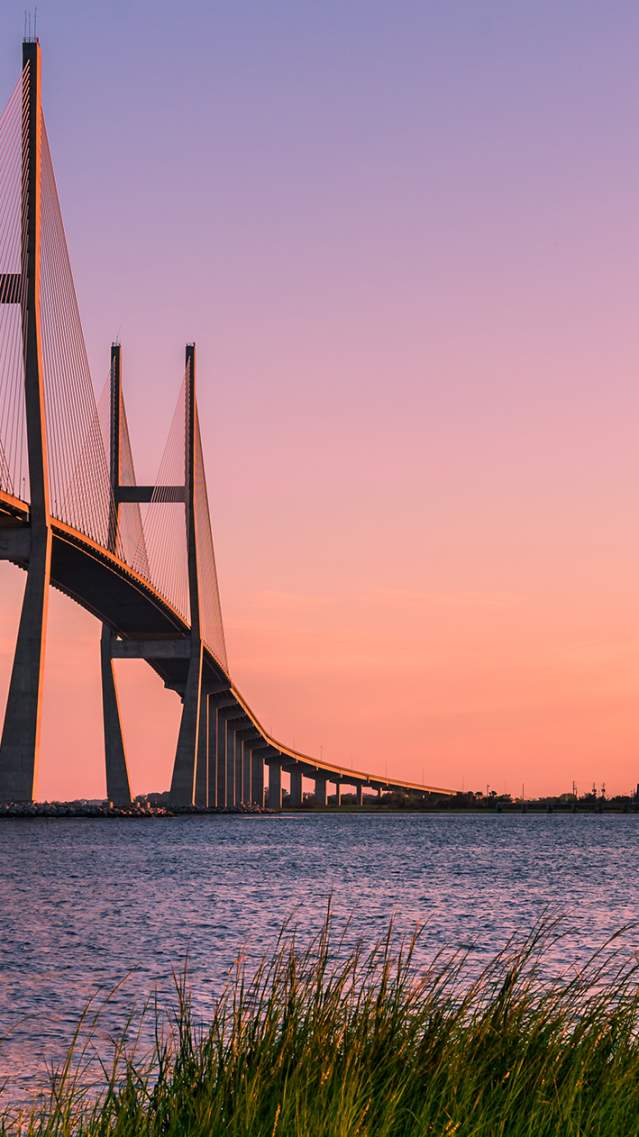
(327, 1043)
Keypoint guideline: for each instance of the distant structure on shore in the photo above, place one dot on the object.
(70, 517)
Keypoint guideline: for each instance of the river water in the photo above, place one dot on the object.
(90, 904)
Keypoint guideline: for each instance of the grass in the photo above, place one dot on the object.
(325, 1043)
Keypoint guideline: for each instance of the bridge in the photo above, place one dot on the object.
(140, 558)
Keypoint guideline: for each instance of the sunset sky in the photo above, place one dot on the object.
(405, 237)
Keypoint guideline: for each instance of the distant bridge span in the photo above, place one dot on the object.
(115, 594)
(150, 580)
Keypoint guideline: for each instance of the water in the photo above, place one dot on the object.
(89, 904)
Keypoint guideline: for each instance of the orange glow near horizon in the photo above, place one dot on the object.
(408, 252)
(457, 707)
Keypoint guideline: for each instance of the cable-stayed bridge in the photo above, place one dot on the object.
(139, 558)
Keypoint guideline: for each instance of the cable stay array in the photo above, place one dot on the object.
(14, 466)
(210, 604)
(79, 478)
(141, 558)
(163, 520)
(150, 538)
(126, 533)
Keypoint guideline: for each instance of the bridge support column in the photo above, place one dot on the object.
(21, 732)
(221, 708)
(182, 791)
(202, 774)
(246, 773)
(320, 790)
(296, 788)
(226, 711)
(231, 786)
(338, 794)
(239, 766)
(274, 784)
(257, 780)
(359, 794)
(183, 784)
(245, 738)
(118, 789)
(220, 750)
(212, 753)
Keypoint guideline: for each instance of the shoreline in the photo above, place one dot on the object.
(73, 810)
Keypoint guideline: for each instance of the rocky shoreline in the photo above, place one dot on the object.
(107, 809)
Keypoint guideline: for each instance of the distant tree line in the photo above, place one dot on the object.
(490, 801)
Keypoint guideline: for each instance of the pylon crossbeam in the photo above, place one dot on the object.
(159, 495)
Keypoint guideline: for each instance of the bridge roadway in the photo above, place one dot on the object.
(117, 595)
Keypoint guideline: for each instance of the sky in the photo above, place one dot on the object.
(405, 238)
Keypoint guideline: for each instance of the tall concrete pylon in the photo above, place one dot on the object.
(117, 776)
(190, 780)
(186, 789)
(21, 732)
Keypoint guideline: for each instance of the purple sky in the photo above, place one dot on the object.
(405, 238)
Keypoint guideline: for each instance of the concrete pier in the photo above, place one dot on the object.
(239, 728)
(224, 798)
(220, 757)
(245, 736)
(218, 703)
(246, 772)
(117, 777)
(239, 765)
(21, 734)
(296, 788)
(211, 757)
(182, 790)
(320, 789)
(359, 794)
(202, 772)
(257, 779)
(225, 758)
(274, 784)
(231, 786)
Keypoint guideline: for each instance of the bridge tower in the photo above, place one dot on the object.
(191, 781)
(21, 731)
(117, 776)
(191, 756)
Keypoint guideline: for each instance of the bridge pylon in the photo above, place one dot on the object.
(21, 732)
(187, 788)
(117, 776)
(191, 782)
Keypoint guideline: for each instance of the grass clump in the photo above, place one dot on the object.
(323, 1043)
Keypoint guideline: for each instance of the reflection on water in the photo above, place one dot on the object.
(86, 903)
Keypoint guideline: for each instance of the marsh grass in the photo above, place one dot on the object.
(318, 1043)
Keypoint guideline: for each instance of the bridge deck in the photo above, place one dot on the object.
(117, 595)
